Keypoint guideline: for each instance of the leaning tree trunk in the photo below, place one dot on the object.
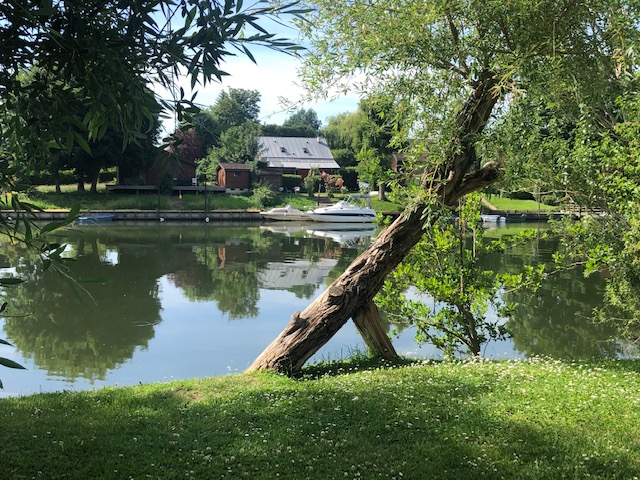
(352, 293)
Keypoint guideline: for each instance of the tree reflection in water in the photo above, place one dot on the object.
(116, 271)
(239, 270)
(557, 320)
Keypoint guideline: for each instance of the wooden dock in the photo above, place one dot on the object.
(151, 215)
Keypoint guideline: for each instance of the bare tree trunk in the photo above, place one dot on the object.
(56, 177)
(369, 326)
(353, 291)
(95, 176)
(80, 178)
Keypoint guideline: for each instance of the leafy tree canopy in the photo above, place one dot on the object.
(235, 107)
(426, 57)
(301, 123)
(304, 117)
(238, 144)
(110, 52)
(273, 130)
(451, 68)
(228, 129)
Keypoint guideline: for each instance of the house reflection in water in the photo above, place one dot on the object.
(295, 273)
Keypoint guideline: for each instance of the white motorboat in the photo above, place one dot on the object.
(287, 213)
(492, 218)
(345, 211)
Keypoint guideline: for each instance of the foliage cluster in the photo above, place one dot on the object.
(301, 123)
(312, 181)
(363, 141)
(464, 306)
(263, 196)
(290, 182)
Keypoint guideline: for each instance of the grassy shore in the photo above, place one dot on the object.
(512, 204)
(45, 197)
(470, 420)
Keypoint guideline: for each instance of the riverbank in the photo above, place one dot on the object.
(222, 207)
(158, 215)
(149, 215)
(234, 215)
(515, 420)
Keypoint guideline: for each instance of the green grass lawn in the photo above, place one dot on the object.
(468, 420)
(510, 204)
(45, 197)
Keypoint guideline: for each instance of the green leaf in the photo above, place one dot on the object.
(82, 142)
(71, 217)
(190, 16)
(10, 363)
(69, 140)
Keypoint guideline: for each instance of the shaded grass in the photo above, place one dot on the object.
(514, 420)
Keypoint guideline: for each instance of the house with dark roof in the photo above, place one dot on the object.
(297, 155)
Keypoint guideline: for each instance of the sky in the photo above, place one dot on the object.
(275, 77)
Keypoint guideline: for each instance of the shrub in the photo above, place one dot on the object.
(165, 183)
(289, 182)
(312, 181)
(263, 196)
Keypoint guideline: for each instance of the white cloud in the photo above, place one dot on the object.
(275, 76)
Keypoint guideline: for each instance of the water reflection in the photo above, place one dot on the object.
(116, 275)
(176, 301)
(557, 319)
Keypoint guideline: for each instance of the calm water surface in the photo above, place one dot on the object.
(161, 302)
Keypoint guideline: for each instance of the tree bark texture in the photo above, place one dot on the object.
(369, 326)
(352, 293)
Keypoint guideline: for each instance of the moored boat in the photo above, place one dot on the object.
(345, 211)
(492, 218)
(97, 218)
(287, 213)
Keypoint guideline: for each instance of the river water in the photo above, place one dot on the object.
(156, 302)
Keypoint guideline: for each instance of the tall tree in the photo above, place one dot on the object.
(301, 123)
(235, 115)
(238, 144)
(107, 47)
(364, 139)
(304, 118)
(235, 107)
(449, 64)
